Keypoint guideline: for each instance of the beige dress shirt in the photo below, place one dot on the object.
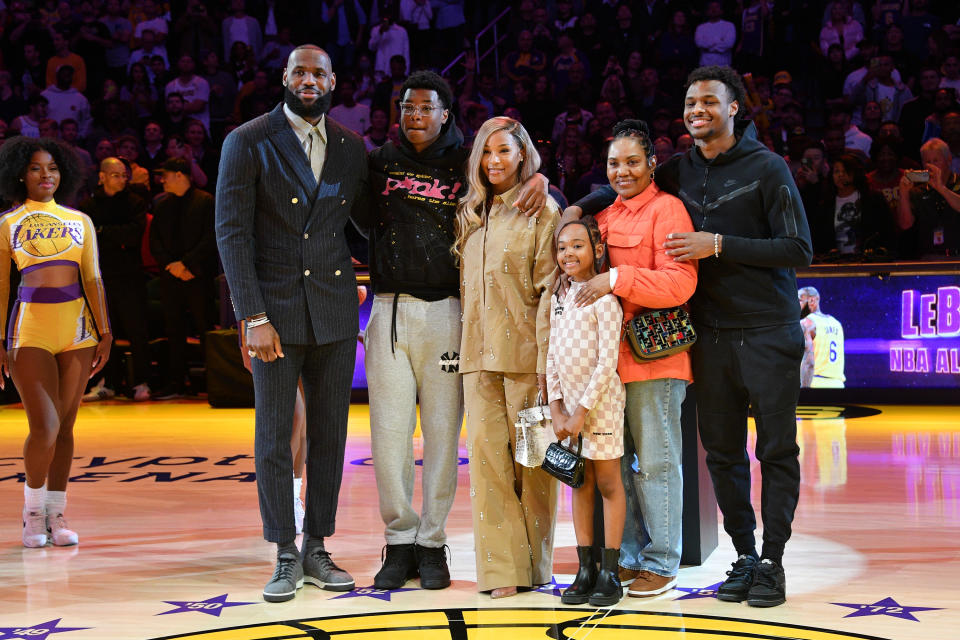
(302, 130)
(506, 278)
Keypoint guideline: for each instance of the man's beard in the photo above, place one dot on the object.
(319, 107)
(804, 311)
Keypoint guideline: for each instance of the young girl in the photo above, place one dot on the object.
(506, 273)
(586, 398)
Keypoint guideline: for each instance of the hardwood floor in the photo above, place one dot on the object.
(164, 501)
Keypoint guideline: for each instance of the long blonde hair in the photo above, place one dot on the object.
(473, 207)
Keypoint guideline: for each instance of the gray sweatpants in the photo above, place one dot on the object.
(424, 362)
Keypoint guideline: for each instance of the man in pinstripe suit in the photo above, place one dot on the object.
(288, 182)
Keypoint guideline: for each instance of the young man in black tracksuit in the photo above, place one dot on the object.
(412, 340)
(751, 234)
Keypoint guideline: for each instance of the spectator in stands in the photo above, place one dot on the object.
(915, 111)
(70, 134)
(205, 155)
(918, 24)
(90, 42)
(853, 218)
(65, 101)
(387, 40)
(182, 241)
(677, 45)
(152, 21)
(944, 101)
(33, 78)
(755, 33)
(386, 95)
(117, 52)
(154, 152)
(119, 217)
(574, 114)
(716, 37)
(842, 29)
(223, 92)
(239, 27)
(148, 50)
(175, 118)
(951, 73)
(624, 35)
(177, 147)
(872, 118)
(525, 61)
(349, 112)
(885, 178)
(834, 142)
(49, 128)
(193, 89)
(376, 135)
(28, 124)
(255, 97)
(878, 85)
(275, 52)
(416, 16)
(566, 59)
(650, 98)
(196, 30)
(929, 208)
(63, 56)
(841, 117)
(139, 92)
(448, 23)
(11, 105)
(128, 148)
(950, 133)
(589, 39)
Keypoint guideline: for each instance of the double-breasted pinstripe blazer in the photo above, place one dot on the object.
(280, 234)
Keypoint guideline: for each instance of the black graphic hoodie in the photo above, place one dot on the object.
(415, 199)
(748, 196)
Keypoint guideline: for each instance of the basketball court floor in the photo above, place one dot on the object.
(164, 499)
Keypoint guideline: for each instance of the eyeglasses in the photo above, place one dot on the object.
(425, 110)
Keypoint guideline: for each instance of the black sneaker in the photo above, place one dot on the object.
(432, 564)
(769, 586)
(399, 565)
(740, 578)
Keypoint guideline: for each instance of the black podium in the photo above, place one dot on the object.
(699, 503)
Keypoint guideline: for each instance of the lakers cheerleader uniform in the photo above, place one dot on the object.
(37, 235)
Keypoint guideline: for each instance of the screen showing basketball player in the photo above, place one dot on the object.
(823, 359)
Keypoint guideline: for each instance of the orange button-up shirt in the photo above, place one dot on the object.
(647, 278)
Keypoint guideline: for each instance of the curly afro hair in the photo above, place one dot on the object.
(15, 155)
(730, 79)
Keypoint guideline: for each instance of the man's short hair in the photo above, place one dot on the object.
(430, 81)
(808, 291)
(730, 79)
(938, 146)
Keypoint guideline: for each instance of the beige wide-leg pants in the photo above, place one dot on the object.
(514, 507)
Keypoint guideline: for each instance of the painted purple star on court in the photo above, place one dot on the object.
(885, 607)
(370, 592)
(699, 592)
(37, 631)
(210, 606)
(552, 588)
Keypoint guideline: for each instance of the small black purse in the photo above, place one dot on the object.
(565, 465)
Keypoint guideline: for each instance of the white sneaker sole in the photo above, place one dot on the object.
(284, 596)
(646, 594)
(330, 586)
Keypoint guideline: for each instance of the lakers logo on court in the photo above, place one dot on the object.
(521, 624)
(44, 235)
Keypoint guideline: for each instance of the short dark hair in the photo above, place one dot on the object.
(15, 155)
(430, 81)
(730, 79)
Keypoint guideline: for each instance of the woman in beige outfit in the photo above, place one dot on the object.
(507, 269)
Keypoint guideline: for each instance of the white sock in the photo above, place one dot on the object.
(56, 502)
(34, 499)
(297, 485)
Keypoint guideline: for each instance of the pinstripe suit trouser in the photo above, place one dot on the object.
(327, 373)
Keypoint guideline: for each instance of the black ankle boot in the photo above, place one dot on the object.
(607, 590)
(399, 565)
(579, 591)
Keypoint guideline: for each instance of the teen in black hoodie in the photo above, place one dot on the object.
(412, 340)
(752, 234)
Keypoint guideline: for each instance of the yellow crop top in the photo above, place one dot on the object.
(41, 234)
